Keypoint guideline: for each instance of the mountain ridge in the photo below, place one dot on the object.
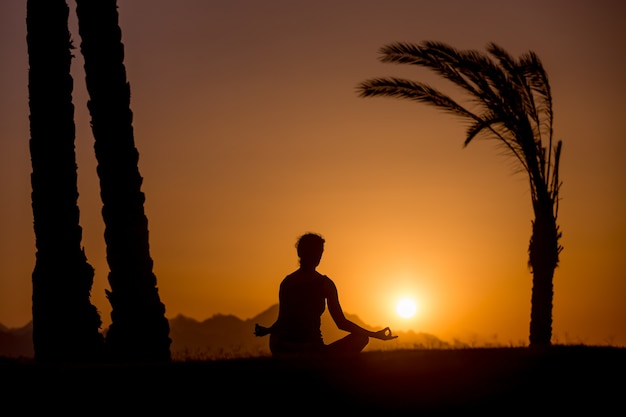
(225, 336)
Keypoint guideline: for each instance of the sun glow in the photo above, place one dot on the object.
(406, 307)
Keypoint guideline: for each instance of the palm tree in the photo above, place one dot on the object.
(139, 329)
(65, 323)
(514, 106)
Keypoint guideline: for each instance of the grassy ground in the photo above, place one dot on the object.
(498, 381)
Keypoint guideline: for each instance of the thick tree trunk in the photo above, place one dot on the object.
(65, 323)
(139, 329)
(543, 259)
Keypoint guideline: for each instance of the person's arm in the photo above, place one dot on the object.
(261, 331)
(336, 312)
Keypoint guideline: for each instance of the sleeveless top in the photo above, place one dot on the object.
(302, 301)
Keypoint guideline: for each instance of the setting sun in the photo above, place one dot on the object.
(406, 307)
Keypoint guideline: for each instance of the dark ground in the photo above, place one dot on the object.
(561, 380)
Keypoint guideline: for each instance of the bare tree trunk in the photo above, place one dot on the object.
(139, 329)
(65, 323)
(543, 259)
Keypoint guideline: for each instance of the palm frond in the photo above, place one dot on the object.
(436, 56)
(513, 97)
(495, 128)
(555, 181)
(528, 80)
(540, 87)
(406, 89)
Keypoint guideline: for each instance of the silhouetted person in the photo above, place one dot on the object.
(303, 296)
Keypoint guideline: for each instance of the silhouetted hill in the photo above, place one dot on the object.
(15, 343)
(227, 336)
(221, 336)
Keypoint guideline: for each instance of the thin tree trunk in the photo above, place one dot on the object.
(139, 329)
(65, 323)
(543, 258)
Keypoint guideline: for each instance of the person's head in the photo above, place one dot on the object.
(310, 247)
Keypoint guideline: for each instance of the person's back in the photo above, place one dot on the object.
(302, 302)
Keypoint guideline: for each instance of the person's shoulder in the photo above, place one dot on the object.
(325, 277)
(294, 274)
(326, 280)
(290, 277)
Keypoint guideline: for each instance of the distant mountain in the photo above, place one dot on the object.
(227, 336)
(221, 336)
(17, 342)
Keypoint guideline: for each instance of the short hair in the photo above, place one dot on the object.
(310, 242)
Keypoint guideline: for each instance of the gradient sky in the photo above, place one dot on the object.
(250, 133)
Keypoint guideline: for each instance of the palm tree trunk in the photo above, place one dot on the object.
(65, 323)
(139, 329)
(543, 259)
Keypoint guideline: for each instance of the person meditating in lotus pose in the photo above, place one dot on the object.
(303, 297)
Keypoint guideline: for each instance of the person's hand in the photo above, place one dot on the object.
(261, 330)
(384, 334)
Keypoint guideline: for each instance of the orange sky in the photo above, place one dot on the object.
(250, 133)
